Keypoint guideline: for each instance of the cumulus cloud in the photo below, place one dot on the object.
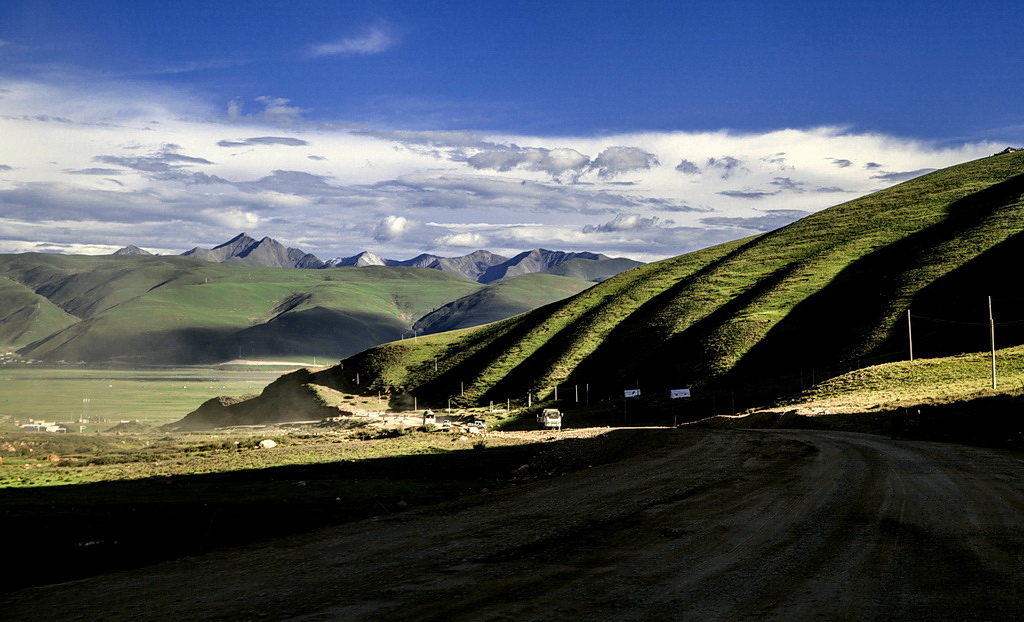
(372, 40)
(469, 239)
(617, 160)
(557, 163)
(727, 166)
(776, 160)
(562, 163)
(391, 228)
(277, 110)
(841, 163)
(625, 222)
(232, 218)
(688, 168)
(234, 111)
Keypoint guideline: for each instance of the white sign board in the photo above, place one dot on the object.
(632, 392)
(678, 393)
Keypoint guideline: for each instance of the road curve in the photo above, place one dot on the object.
(713, 525)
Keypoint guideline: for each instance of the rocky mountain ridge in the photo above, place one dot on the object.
(481, 265)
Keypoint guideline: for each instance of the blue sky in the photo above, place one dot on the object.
(645, 130)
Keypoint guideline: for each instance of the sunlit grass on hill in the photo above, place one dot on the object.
(923, 381)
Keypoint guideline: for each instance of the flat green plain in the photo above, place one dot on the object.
(106, 397)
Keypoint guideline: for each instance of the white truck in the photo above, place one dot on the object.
(550, 418)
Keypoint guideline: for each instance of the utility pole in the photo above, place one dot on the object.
(992, 338)
(910, 336)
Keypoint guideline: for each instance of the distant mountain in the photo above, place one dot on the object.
(500, 300)
(537, 260)
(471, 266)
(481, 266)
(131, 249)
(365, 258)
(420, 261)
(243, 250)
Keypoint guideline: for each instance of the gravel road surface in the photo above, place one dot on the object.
(712, 525)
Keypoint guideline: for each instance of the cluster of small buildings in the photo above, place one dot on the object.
(43, 426)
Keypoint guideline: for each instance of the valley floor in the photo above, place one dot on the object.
(710, 525)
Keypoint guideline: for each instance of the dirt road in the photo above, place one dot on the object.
(714, 525)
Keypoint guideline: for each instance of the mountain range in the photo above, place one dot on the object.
(744, 323)
(481, 266)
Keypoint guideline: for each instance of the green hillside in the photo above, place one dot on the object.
(760, 318)
(501, 300)
(26, 316)
(138, 309)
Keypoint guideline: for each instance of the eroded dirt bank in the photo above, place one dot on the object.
(712, 525)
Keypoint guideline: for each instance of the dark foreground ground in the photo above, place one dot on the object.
(711, 525)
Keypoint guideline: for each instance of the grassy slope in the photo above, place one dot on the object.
(178, 309)
(501, 300)
(26, 316)
(820, 294)
(923, 381)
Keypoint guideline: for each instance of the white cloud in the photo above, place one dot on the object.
(617, 160)
(118, 165)
(233, 218)
(625, 222)
(392, 228)
(471, 240)
(559, 163)
(373, 40)
(277, 110)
